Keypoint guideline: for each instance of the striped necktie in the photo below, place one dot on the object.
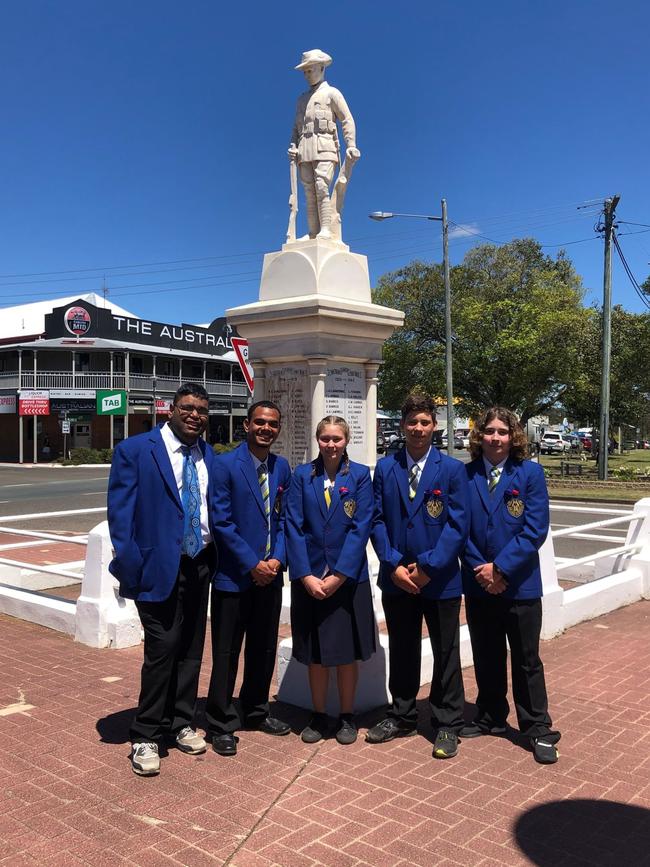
(328, 493)
(191, 500)
(263, 478)
(413, 481)
(495, 475)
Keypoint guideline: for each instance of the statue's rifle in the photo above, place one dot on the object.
(293, 198)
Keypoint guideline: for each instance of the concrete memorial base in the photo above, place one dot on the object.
(315, 343)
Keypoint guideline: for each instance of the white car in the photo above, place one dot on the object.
(554, 442)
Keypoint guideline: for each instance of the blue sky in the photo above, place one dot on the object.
(145, 143)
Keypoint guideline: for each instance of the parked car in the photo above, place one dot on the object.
(554, 442)
(395, 445)
(575, 443)
(381, 443)
(458, 441)
(586, 440)
(390, 436)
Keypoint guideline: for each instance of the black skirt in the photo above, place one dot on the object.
(333, 631)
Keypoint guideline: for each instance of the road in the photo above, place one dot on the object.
(29, 490)
(25, 490)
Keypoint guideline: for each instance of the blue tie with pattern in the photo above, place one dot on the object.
(191, 500)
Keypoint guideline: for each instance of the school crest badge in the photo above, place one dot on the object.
(515, 507)
(350, 507)
(434, 507)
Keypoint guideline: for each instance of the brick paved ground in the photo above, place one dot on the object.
(69, 797)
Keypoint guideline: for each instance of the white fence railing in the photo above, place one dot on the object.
(101, 618)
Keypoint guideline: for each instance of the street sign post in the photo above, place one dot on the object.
(240, 345)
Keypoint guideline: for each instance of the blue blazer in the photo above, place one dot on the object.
(510, 541)
(238, 517)
(334, 538)
(406, 531)
(145, 517)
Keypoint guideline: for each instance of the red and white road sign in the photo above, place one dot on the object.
(241, 351)
(34, 403)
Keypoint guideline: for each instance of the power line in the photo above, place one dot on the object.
(628, 271)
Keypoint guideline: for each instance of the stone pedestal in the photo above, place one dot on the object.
(315, 342)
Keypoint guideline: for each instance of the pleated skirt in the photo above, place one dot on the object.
(333, 631)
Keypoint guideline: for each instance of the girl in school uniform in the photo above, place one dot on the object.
(509, 520)
(328, 517)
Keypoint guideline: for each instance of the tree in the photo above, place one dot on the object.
(629, 384)
(517, 320)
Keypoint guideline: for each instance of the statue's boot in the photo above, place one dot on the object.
(325, 214)
(313, 222)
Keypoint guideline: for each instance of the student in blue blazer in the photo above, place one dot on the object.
(248, 491)
(329, 514)
(419, 530)
(159, 521)
(502, 580)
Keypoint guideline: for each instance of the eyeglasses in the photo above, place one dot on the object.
(186, 409)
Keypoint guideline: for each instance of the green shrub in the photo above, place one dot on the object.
(222, 448)
(90, 456)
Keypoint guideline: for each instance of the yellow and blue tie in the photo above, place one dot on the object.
(263, 477)
(413, 481)
(495, 475)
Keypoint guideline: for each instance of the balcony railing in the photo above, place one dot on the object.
(102, 379)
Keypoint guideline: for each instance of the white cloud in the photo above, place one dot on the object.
(464, 230)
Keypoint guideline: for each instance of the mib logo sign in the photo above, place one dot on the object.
(111, 402)
(77, 321)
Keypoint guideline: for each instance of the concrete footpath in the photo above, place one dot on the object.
(69, 797)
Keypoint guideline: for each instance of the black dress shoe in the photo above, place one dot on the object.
(477, 729)
(272, 726)
(386, 730)
(225, 745)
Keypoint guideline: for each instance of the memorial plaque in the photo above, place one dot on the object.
(345, 395)
(288, 386)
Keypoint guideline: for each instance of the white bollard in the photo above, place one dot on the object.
(104, 618)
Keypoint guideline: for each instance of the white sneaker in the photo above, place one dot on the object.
(189, 741)
(145, 760)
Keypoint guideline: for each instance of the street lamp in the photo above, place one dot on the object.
(387, 215)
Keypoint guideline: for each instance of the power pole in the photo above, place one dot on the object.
(603, 433)
(448, 345)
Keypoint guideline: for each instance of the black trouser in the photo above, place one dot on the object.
(490, 621)
(174, 636)
(404, 613)
(255, 613)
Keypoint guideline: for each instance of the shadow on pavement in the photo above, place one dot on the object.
(585, 832)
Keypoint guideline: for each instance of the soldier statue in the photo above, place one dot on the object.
(316, 151)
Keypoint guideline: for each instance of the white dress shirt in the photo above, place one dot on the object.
(489, 467)
(174, 447)
(410, 461)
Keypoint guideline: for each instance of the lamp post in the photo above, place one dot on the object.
(386, 215)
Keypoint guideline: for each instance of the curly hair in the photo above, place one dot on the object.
(519, 440)
(317, 465)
